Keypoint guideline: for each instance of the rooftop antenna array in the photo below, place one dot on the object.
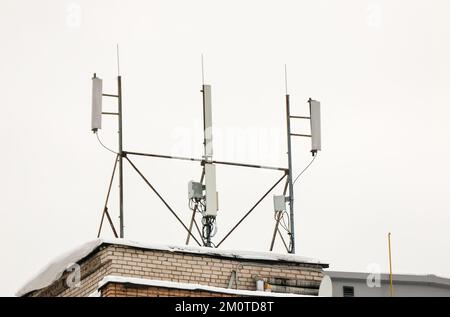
(202, 195)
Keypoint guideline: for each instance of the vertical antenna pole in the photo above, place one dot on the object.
(204, 111)
(204, 114)
(391, 286)
(291, 189)
(203, 73)
(208, 237)
(118, 60)
(209, 215)
(285, 80)
(119, 87)
(289, 153)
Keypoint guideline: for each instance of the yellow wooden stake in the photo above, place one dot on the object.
(391, 286)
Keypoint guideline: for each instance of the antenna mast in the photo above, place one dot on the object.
(280, 201)
(119, 88)
(119, 97)
(97, 113)
(289, 153)
(209, 169)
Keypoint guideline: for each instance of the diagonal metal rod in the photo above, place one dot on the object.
(110, 95)
(300, 117)
(251, 209)
(101, 223)
(303, 135)
(105, 209)
(191, 224)
(286, 187)
(251, 165)
(163, 156)
(277, 222)
(162, 199)
(194, 211)
(199, 232)
(201, 160)
(203, 175)
(111, 222)
(105, 212)
(282, 239)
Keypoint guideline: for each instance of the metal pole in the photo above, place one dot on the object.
(204, 121)
(391, 286)
(119, 87)
(250, 165)
(291, 189)
(203, 161)
(163, 156)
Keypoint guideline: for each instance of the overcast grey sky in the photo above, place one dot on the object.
(380, 68)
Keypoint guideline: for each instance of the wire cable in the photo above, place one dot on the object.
(304, 170)
(98, 138)
(283, 222)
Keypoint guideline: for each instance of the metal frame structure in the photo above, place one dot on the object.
(119, 158)
(290, 184)
(205, 240)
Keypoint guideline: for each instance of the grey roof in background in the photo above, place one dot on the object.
(429, 279)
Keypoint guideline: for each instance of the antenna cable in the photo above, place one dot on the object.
(304, 170)
(101, 143)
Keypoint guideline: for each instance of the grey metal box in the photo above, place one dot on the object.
(195, 190)
(279, 203)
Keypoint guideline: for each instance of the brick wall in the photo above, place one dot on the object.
(212, 270)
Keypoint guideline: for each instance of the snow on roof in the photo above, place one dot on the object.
(55, 269)
(190, 286)
(237, 254)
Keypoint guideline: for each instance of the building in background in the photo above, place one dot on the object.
(352, 284)
(117, 267)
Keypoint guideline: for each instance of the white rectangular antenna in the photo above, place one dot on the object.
(210, 169)
(314, 110)
(208, 121)
(97, 91)
(211, 193)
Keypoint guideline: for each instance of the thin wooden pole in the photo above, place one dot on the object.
(391, 286)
